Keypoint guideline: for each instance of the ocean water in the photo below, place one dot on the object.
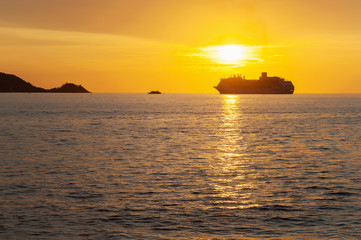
(180, 166)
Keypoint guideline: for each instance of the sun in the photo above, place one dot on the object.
(227, 54)
(230, 53)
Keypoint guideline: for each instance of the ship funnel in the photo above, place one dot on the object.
(264, 74)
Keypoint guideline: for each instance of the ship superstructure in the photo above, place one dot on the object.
(264, 85)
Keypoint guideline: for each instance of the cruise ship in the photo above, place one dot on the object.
(264, 85)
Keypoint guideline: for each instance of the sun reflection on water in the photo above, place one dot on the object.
(231, 126)
(232, 171)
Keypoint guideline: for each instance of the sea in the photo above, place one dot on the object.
(180, 166)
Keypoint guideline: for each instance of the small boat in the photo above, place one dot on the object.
(154, 92)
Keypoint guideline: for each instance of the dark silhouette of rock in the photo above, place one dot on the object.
(12, 83)
(154, 92)
(69, 88)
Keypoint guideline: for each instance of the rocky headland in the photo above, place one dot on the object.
(12, 83)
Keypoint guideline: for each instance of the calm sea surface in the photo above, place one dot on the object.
(180, 166)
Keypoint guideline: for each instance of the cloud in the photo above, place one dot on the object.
(35, 37)
(186, 21)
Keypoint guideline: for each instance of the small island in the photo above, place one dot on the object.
(154, 92)
(11, 83)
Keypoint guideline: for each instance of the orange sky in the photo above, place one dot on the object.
(139, 45)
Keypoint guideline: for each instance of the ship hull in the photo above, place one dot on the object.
(254, 91)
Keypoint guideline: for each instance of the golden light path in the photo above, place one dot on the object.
(234, 183)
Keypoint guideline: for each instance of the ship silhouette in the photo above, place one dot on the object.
(264, 85)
